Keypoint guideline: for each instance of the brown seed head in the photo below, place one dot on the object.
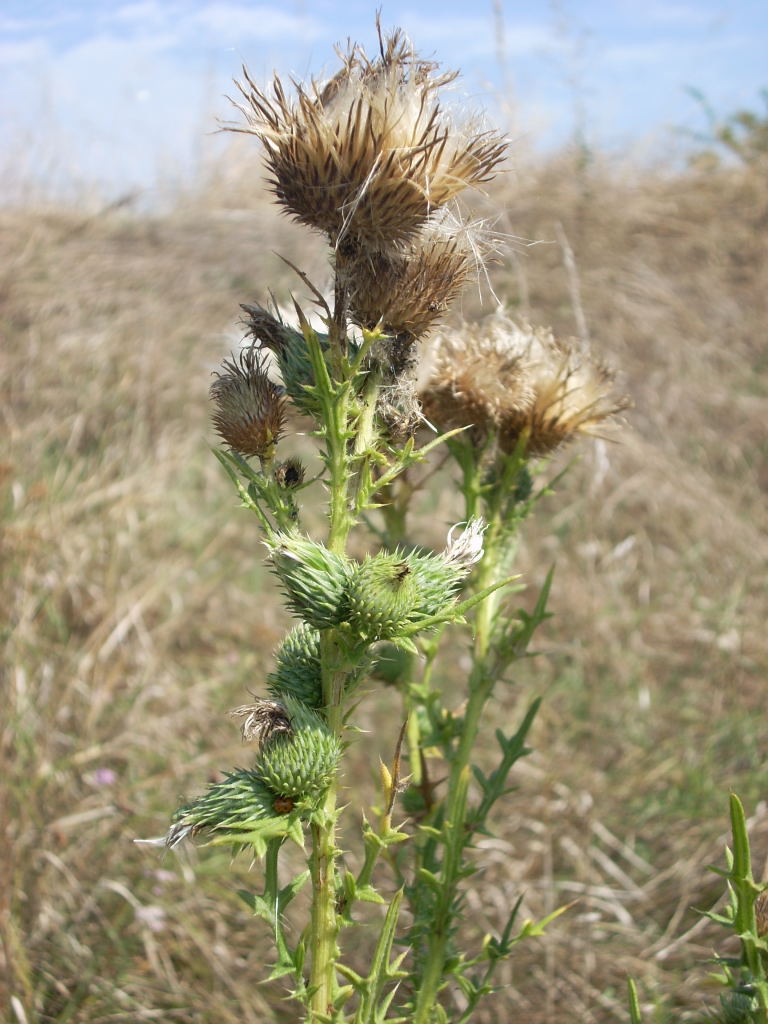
(289, 474)
(477, 373)
(371, 154)
(516, 381)
(268, 332)
(407, 288)
(249, 412)
(573, 394)
(262, 720)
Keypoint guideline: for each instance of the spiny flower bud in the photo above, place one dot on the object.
(382, 597)
(390, 591)
(300, 764)
(262, 720)
(239, 808)
(314, 579)
(249, 412)
(289, 474)
(737, 1008)
(297, 670)
(439, 577)
(370, 154)
(290, 350)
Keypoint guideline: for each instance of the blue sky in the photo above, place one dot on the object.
(126, 94)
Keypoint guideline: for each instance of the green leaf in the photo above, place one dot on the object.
(404, 643)
(367, 894)
(372, 1009)
(635, 1016)
(742, 867)
(430, 879)
(455, 612)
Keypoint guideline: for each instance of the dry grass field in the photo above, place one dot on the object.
(136, 610)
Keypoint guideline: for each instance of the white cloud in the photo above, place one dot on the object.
(239, 22)
(23, 26)
(144, 13)
(678, 13)
(672, 53)
(458, 37)
(28, 51)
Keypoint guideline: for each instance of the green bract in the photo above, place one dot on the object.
(382, 597)
(297, 672)
(302, 763)
(296, 369)
(314, 579)
(238, 809)
(437, 580)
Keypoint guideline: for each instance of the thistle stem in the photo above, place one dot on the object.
(481, 681)
(324, 924)
(338, 416)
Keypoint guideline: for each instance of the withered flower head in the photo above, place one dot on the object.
(289, 474)
(477, 372)
(370, 154)
(518, 382)
(262, 720)
(573, 394)
(408, 288)
(249, 412)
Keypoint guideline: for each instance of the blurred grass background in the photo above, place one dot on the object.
(136, 610)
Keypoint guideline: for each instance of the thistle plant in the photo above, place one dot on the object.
(373, 161)
(743, 976)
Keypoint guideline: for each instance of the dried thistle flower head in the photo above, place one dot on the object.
(249, 413)
(262, 720)
(371, 154)
(477, 371)
(517, 382)
(573, 394)
(408, 288)
(290, 474)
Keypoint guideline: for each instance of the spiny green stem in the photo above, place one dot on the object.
(481, 683)
(338, 415)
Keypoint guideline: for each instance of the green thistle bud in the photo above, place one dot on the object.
(439, 577)
(314, 579)
(383, 596)
(238, 807)
(391, 664)
(296, 370)
(290, 349)
(297, 672)
(437, 581)
(302, 763)
(393, 590)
